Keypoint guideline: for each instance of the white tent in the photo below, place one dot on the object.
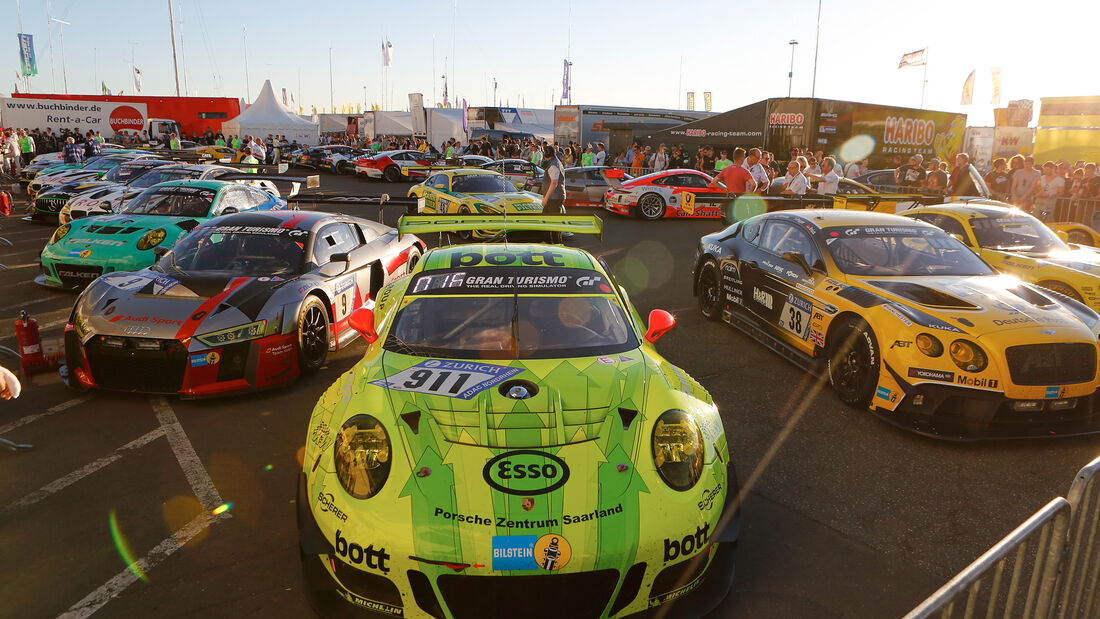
(266, 115)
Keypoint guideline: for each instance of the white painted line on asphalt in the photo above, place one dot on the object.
(84, 471)
(197, 476)
(116, 585)
(46, 413)
(18, 306)
(12, 267)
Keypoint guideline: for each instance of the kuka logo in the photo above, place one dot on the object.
(901, 130)
(126, 117)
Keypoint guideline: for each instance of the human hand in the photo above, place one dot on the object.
(9, 384)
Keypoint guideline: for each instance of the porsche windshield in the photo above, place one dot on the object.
(172, 201)
(128, 172)
(226, 251)
(481, 183)
(900, 250)
(1019, 233)
(529, 313)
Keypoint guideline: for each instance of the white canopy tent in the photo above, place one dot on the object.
(266, 115)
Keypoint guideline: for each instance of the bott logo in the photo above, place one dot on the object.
(686, 546)
(126, 117)
(356, 554)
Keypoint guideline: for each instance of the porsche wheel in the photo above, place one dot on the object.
(392, 174)
(710, 291)
(464, 235)
(1063, 289)
(414, 259)
(313, 333)
(651, 207)
(854, 363)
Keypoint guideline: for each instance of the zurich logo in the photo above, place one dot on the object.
(518, 392)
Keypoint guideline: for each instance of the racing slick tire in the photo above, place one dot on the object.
(650, 207)
(854, 363)
(391, 174)
(464, 236)
(1079, 238)
(1063, 289)
(710, 291)
(343, 167)
(313, 335)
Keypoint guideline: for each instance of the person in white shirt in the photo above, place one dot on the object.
(752, 164)
(601, 155)
(794, 182)
(256, 147)
(829, 180)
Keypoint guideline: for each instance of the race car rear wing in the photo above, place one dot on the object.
(311, 182)
(577, 224)
(436, 168)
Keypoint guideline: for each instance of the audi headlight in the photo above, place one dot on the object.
(929, 344)
(60, 234)
(362, 456)
(151, 239)
(678, 449)
(968, 356)
(242, 333)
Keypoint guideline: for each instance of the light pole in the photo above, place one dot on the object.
(790, 74)
(817, 37)
(64, 69)
(494, 92)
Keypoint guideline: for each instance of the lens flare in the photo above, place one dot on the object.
(221, 509)
(123, 548)
(857, 148)
(748, 205)
(268, 467)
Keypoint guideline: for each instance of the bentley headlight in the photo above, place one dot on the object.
(678, 449)
(929, 344)
(968, 356)
(151, 239)
(242, 333)
(60, 234)
(362, 456)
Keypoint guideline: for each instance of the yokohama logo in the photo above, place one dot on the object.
(901, 130)
(786, 118)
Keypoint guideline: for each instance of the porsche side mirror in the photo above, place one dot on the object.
(229, 210)
(159, 251)
(799, 259)
(660, 323)
(362, 320)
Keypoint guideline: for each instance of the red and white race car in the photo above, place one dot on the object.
(670, 193)
(388, 164)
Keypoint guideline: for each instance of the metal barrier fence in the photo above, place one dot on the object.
(1051, 563)
(1076, 210)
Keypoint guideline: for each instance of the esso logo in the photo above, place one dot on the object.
(125, 117)
(526, 472)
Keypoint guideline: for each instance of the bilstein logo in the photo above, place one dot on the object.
(526, 472)
(357, 555)
(786, 118)
(126, 117)
(901, 130)
(499, 258)
(686, 546)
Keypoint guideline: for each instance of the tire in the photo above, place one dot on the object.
(342, 167)
(651, 207)
(414, 259)
(1080, 238)
(1062, 289)
(313, 334)
(392, 174)
(854, 363)
(464, 235)
(710, 291)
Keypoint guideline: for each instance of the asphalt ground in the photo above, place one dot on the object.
(846, 516)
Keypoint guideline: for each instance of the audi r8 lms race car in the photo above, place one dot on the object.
(1017, 243)
(81, 251)
(341, 161)
(55, 199)
(472, 191)
(526, 447)
(906, 321)
(243, 302)
(314, 157)
(671, 193)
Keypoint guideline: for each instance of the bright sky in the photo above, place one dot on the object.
(643, 52)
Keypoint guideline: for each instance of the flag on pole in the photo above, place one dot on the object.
(464, 122)
(387, 53)
(565, 82)
(995, 73)
(913, 59)
(968, 90)
(691, 100)
(137, 80)
(103, 86)
(284, 96)
(26, 54)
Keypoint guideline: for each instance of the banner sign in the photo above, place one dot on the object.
(110, 117)
(26, 54)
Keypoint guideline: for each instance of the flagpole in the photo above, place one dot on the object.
(924, 78)
(19, 11)
(817, 38)
(172, 30)
(247, 90)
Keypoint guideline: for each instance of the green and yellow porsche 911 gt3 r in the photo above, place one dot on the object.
(512, 444)
(473, 191)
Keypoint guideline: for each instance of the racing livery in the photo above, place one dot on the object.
(905, 320)
(519, 172)
(245, 301)
(512, 440)
(1017, 243)
(1077, 233)
(81, 251)
(670, 193)
(92, 169)
(388, 164)
(472, 191)
(56, 198)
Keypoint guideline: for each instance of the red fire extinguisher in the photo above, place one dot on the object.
(30, 343)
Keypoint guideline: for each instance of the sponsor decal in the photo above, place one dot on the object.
(136, 330)
(687, 545)
(489, 279)
(258, 230)
(552, 552)
(378, 607)
(901, 344)
(817, 337)
(624, 358)
(761, 297)
(107, 242)
(708, 498)
(127, 281)
(125, 117)
(544, 257)
(926, 374)
(320, 434)
(795, 315)
(356, 554)
(206, 358)
(345, 284)
(530, 552)
(885, 394)
(786, 118)
(897, 314)
(163, 283)
(325, 501)
(452, 379)
(157, 320)
(1054, 392)
(77, 274)
(1019, 320)
(281, 349)
(525, 472)
(974, 381)
(606, 360)
(908, 131)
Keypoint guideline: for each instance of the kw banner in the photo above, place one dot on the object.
(26, 55)
(110, 117)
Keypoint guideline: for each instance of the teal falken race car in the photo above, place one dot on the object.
(152, 222)
(512, 445)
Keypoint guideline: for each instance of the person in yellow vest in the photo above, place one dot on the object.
(722, 163)
(236, 142)
(99, 137)
(220, 141)
(173, 142)
(248, 158)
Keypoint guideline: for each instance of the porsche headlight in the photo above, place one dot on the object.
(929, 344)
(678, 449)
(60, 234)
(242, 333)
(151, 239)
(362, 456)
(968, 356)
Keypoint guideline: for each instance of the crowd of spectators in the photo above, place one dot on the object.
(1019, 181)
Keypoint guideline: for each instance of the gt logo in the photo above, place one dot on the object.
(589, 280)
(298, 232)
